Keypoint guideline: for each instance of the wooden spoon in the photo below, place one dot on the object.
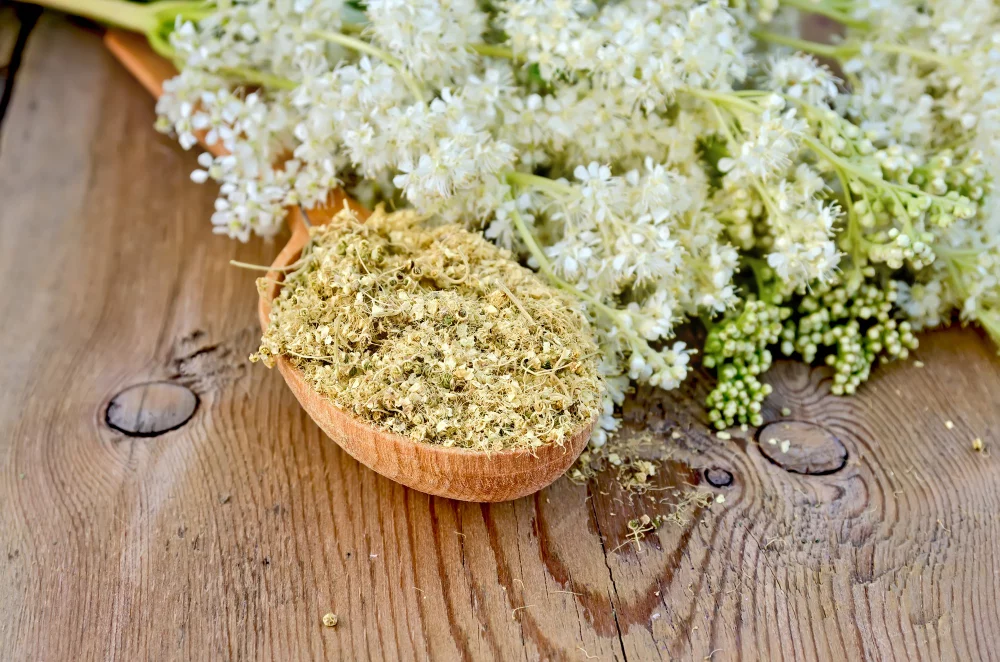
(450, 472)
(456, 473)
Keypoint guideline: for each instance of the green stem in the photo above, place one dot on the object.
(915, 53)
(851, 169)
(990, 320)
(536, 251)
(757, 265)
(362, 46)
(493, 50)
(854, 233)
(804, 45)
(359, 45)
(194, 10)
(538, 183)
(723, 125)
(723, 98)
(121, 14)
(260, 78)
(848, 50)
(546, 268)
(823, 10)
(731, 139)
(160, 43)
(957, 254)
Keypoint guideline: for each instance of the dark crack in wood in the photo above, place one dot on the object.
(16, 23)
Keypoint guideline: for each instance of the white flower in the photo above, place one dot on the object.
(801, 77)
(432, 37)
(768, 151)
(922, 302)
(616, 136)
(803, 250)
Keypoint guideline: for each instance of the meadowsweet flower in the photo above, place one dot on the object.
(922, 302)
(661, 161)
(801, 77)
(768, 149)
(431, 37)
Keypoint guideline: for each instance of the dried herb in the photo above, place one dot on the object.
(436, 334)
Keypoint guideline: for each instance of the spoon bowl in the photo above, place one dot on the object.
(456, 473)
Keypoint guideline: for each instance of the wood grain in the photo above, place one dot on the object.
(231, 536)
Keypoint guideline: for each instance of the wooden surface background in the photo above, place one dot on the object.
(230, 536)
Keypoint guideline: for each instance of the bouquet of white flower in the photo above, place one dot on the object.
(661, 160)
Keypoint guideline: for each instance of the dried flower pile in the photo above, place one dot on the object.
(435, 334)
(661, 161)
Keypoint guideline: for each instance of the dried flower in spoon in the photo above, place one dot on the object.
(436, 334)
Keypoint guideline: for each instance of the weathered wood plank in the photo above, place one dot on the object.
(230, 537)
(234, 534)
(892, 557)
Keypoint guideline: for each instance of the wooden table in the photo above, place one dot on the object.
(230, 536)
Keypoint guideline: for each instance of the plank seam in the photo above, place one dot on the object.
(27, 16)
(611, 576)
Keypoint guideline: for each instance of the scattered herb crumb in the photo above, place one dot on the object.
(785, 411)
(919, 364)
(637, 457)
(978, 445)
(685, 502)
(513, 612)
(628, 453)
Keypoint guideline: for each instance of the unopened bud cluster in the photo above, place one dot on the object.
(738, 351)
(849, 325)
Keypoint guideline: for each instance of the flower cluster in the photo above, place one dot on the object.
(852, 324)
(738, 349)
(636, 153)
(848, 325)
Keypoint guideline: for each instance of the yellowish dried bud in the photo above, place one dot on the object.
(436, 334)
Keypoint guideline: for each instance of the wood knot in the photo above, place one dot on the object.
(802, 448)
(151, 409)
(718, 477)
